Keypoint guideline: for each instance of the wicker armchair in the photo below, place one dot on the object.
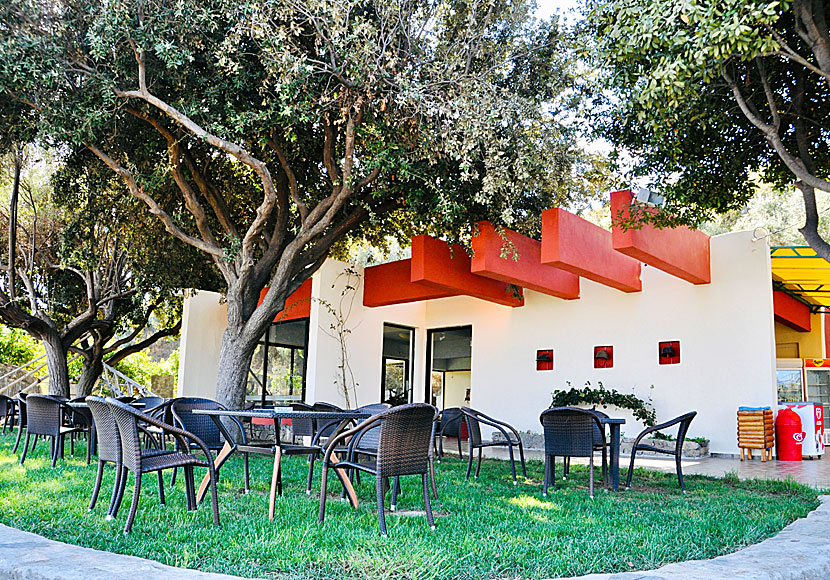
(569, 432)
(451, 420)
(601, 443)
(683, 423)
(474, 419)
(50, 417)
(404, 448)
(206, 429)
(21, 419)
(109, 451)
(132, 458)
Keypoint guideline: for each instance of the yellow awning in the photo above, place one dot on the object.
(800, 272)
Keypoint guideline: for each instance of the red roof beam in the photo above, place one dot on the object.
(790, 312)
(681, 251)
(297, 305)
(524, 270)
(435, 264)
(390, 283)
(584, 249)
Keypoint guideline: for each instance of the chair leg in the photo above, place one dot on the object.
(440, 447)
(133, 506)
(88, 445)
(247, 470)
(381, 515)
(34, 444)
(173, 477)
(680, 474)
(189, 489)
(71, 445)
(57, 447)
(214, 497)
(432, 478)
(512, 462)
(470, 464)
(25, 447)
(161, 487)
(122, 485)
(522, 456)
(547, 474)
(566, 467)
(605, 467)
(591, 475)
(310, 474)
(478, 465)
(630, 469)
(460, 454)
(323, 481)
(116, 488)
(97, 487)
(19, 436)
(396, 486)
(427, 504)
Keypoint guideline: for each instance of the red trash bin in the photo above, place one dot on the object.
(788, 435)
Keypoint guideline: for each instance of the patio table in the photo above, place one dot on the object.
(275, 415)
(614, 425)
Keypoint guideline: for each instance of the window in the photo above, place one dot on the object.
(278, 367)
(398, 353)
(449, 355)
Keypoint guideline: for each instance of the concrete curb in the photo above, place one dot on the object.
(27, 556)
(801, 551)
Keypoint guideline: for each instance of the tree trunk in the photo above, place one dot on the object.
(234, 362)
(90, 372)
(56, 364)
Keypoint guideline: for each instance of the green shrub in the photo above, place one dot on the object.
(603, 397)
(17, 347)
(140, 367)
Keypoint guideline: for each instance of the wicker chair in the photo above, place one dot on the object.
(150, 402)
(474, 419)
(47, 417)
(7, 412)
(451, 420)
(109, 451)
(21, 419)
(569, 432)
(601, 443)
(132, 458)
(404, 448)
(683, 423)
(205, 428)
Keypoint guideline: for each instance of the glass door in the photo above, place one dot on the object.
(396, 363)
(818, 388)
(449, 354)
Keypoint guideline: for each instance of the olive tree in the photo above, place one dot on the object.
(265, 132)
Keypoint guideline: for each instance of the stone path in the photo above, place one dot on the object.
(800, 552)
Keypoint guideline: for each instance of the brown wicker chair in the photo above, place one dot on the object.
(132, 458)
(601, 443)
(109, 451)
(474, 419)
(569, 432)
(404, 448)
(50, 417)
(683, 422)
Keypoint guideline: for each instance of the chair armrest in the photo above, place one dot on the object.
(487, 420)
(445, 424)
(331, 444)
(666, 425)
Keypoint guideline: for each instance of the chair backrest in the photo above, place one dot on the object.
(127, 420)
(106, 430)
(369, 439)
(21, 404)
(684, 422)
(326, 427)
(473, 427)
(404, 444)
(599, 429)
(150, 402)
(302, 427)
(569, 431)
(451, 421)
(202, 426)
(44, 415)
(5, 405)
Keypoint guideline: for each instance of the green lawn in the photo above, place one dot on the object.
(486, 528)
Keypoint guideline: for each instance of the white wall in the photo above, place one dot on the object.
(725, 329)
(204, 319)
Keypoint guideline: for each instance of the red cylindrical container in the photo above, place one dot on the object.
(788, 435)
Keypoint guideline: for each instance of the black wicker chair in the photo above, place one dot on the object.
(7, 412)
(601, 443)
(109, 451)
(49, 417)
(451, 420)
(133, 459)
(150, 402)
(683, 423)
(404, 448)
(21, 419)
(474, 419)
(205, 428)
(569, 432)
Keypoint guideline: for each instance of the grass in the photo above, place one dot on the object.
(486, 528)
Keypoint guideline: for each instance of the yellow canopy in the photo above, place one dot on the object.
(800, 272)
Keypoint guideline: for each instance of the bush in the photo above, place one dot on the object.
(17, 347)
(603, 397)
(140, 367)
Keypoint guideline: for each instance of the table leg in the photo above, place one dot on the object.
(615, 457)
(344, 479)
(220, 459)
(274, 477)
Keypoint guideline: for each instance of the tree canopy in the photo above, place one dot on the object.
(710, 95)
